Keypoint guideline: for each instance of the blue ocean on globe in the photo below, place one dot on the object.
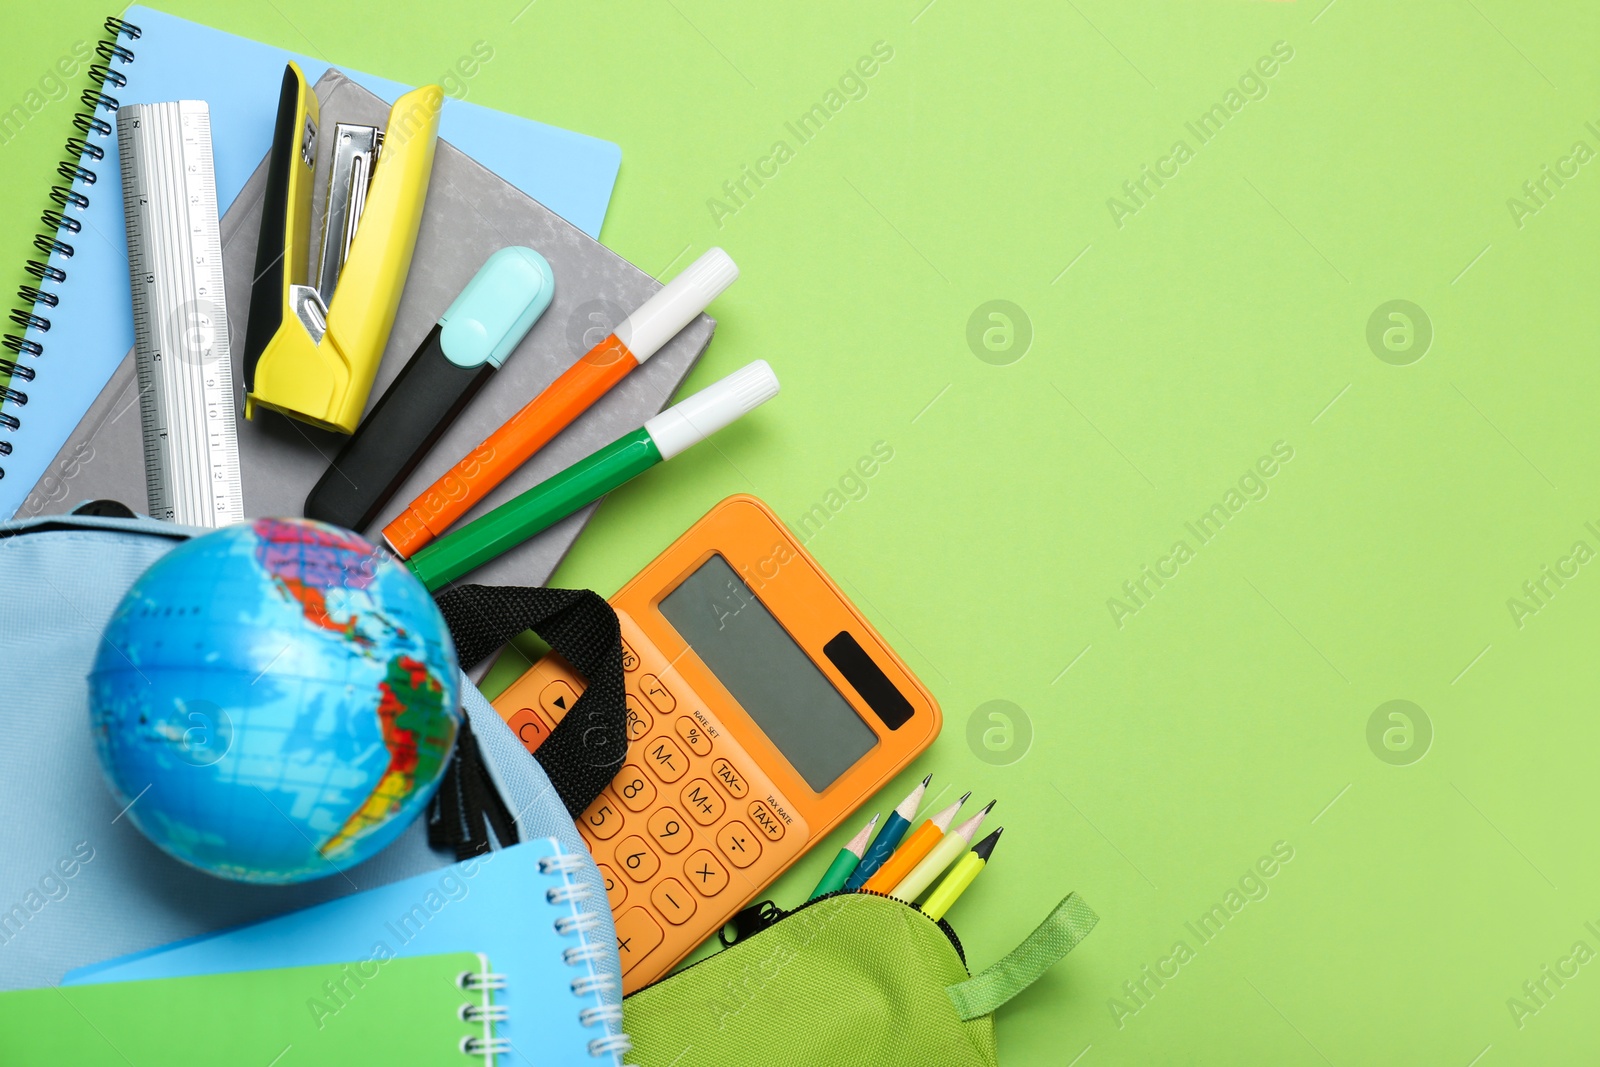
(275, 701)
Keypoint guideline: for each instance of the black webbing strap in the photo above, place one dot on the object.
(584, 751)
(467, 803)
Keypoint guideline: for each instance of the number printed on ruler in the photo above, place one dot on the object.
(186, 399)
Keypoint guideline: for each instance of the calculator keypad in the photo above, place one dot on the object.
(637, 936)
(557, 699)
(633, 787)
(730, 779)
(659, 696)
(639, 720)
(674, 903)
(688, 830)
(694, 735)
(703, 803)
(706, 873)
(616, 890)
(739, 844)
(762, 818)
(669, 832)
(633, 855)
(665, 758)
(602, 820)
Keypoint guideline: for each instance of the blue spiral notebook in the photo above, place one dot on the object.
(514, 905)
(172, 59)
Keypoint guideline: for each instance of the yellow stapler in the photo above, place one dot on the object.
(313, 341)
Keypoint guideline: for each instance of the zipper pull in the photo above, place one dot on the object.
(752, 920)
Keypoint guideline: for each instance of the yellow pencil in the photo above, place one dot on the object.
(934, 863)
(961, 875)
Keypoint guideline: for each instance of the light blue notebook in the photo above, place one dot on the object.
(500, 904)
(173, 59)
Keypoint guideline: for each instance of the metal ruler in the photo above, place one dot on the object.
(180, 320)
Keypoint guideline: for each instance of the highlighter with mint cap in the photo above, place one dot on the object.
(482, 326)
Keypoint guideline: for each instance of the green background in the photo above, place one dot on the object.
(1169, 354)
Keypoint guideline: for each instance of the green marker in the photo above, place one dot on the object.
(844, 864)
(684, 424)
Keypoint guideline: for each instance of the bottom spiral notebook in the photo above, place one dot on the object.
(518, 905)
(421, 1010)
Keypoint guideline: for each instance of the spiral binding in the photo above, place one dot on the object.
(88, 148)
(483, 981)
(581, 924)
(573, 923)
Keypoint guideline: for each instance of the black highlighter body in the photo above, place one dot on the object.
(407, 421)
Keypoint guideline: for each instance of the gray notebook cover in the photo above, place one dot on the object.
(470, 213)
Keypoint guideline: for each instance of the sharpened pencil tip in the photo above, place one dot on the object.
(928, 779)
(965, 797)
(908, 807)
(987, 808)
(858, 844)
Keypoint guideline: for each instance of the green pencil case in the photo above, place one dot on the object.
(848, 978)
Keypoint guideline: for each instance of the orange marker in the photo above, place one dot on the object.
(921, 841)
(639, 337)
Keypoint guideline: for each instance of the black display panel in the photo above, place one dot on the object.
(858, 668)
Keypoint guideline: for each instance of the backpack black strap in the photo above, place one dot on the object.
(584, 751)
(467, 805)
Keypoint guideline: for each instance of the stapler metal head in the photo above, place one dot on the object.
(316, 331)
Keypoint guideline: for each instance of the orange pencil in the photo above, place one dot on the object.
(639, 337)
(921, 841)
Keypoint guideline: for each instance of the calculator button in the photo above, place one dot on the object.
(638, 719)
(706, 873)
(616, 888)
(675, 903)
(702, 802)
(603, 819)
(765, 821)
(630, 658)
(662, 755)
(657, 693)
(730, 779)
(529, 728)
(670, 833)
(637, 935)
(636, 859)
(694, 735)
(557, 699)
(738, 842)
(634, 789)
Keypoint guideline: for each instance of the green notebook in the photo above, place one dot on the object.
(417, 1010)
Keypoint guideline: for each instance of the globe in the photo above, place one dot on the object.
(274, 701)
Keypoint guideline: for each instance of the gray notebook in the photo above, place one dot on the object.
(470, 213)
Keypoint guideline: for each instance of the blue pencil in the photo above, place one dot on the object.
(888, 838)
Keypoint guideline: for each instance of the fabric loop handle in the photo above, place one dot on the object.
(1058, 935)
(584, 751)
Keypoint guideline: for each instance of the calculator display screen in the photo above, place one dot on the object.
(770, 676)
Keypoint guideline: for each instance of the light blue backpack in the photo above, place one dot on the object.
(78, 884)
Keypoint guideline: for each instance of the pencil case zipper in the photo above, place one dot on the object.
(765, 914)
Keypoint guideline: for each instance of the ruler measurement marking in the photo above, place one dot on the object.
(181, 331)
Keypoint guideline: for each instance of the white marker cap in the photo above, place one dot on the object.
(692, 420)
(659, 319)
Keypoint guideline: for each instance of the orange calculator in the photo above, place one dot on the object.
(762, 709)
